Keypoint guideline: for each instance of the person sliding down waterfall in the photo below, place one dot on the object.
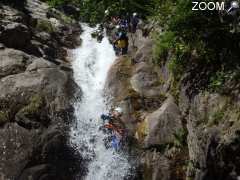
(113, 126)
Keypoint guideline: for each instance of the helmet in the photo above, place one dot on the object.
(106, 11)
(235, 4)
(117, 27)
(134, 14)
(119, 110)
(104, 117)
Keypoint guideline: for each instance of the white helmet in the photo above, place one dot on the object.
(117, 27)
(134, 14)
(119, 110)
(235, 5)
(106, 11)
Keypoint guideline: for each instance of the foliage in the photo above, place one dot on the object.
(202, 38)
(163, 43)
(92, 11)
(216, 118)
(36, 102)
(180, 138)
(217, 80)
(44, 25)
(3, 117)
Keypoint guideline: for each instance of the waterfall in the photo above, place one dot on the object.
(91, 63)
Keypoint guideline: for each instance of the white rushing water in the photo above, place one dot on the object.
(91, 63)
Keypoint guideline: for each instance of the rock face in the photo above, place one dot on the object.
(36, 93)
(13, 62)
(178, 134)
(163, 124)
(15, 35)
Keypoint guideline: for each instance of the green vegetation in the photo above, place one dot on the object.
(200, 39)
(92, 11)
(3, 117)
(180, 138)
(217, 80)
(36, 102)
(44, 25)
(216, 118)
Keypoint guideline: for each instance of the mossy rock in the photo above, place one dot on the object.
(142, 131)
(36, 103)
(44, 25)
(4, 117)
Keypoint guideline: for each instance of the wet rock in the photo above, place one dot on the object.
(38, 172)
(70, 10)
(163, 124)
(35, 97)
(10, 14)
(156, 166)
(34, 114)
(34, 48)
(40, 64)
(16, 147)
(15, 35)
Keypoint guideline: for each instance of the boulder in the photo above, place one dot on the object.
(156, 166)
(40, 63)
(15, 35)
(163, 124)
(54, 84)
(144, 53)
(38, 172)
(16, 147)
(146, 81)
(13, 62)
(11, 14)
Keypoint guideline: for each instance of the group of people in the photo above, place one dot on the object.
(114, 128)
(122, 26)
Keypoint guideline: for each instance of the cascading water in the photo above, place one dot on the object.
(91, 63)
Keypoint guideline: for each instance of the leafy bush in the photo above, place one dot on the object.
(216, 118)
(92, 11)
(203, 40)
(163, 43)
(180, 138)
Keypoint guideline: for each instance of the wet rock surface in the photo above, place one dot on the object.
(36, 94)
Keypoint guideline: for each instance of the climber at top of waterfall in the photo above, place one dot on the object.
(134, 23)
